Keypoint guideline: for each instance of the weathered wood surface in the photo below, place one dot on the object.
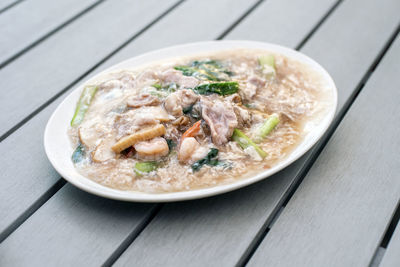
(267, 24)
(171, 30)
(34, 179)
(88, 231)
(74, 227)
(30, 21)
(339, 214)
(71, 52)
(223, 236)
(37, 178)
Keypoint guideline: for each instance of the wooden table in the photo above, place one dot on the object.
(336, 206)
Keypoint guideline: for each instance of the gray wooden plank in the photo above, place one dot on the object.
(340, 212)
(50, 67)
(23, 186)
(206, 28)
(392, 257)
(31, 20)
(27, 174)
(37, 176)
(278, 179)
(273, 19)
(212, 231)
(208, 232)
(88, 231)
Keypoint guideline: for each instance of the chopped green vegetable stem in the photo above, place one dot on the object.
(246, 142)
(266, 128)
(83, 104)
(267, 63)
(145, 167)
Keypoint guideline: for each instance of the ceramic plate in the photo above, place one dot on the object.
(59, 150)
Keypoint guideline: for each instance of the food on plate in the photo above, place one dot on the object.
(193, 122)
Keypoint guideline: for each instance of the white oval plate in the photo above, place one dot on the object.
(59, 150)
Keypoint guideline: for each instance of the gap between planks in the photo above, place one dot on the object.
(132, 236)
(275, 214)
(381, 250)
(230, 28)
(54, 190)
(32, 209)
(77, 80)
(61, 182)
(10, 6)
(135, 232)
(47, 35)
(52, 99)
(317, 150)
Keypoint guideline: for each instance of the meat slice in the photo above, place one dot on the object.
(177, 101)
(252, 85)
(257, 81)
(142, 100)
(220, 117)
(175, 76)
(91, 131)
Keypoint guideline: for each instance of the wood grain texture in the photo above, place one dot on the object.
(22, 186)
(25, 185)
(50, 67)
(210, 232)
(31, 20)
(87, 226)
(268, 24)
(221, 233)
(276, 186)
(392, 257)
(27, 174)
(340, 212)
(330, 46)
(200, 23)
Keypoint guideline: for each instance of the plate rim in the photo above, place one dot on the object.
(137, 196)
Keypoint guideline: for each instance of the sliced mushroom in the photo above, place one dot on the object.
(103, 151)
(90, 132)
